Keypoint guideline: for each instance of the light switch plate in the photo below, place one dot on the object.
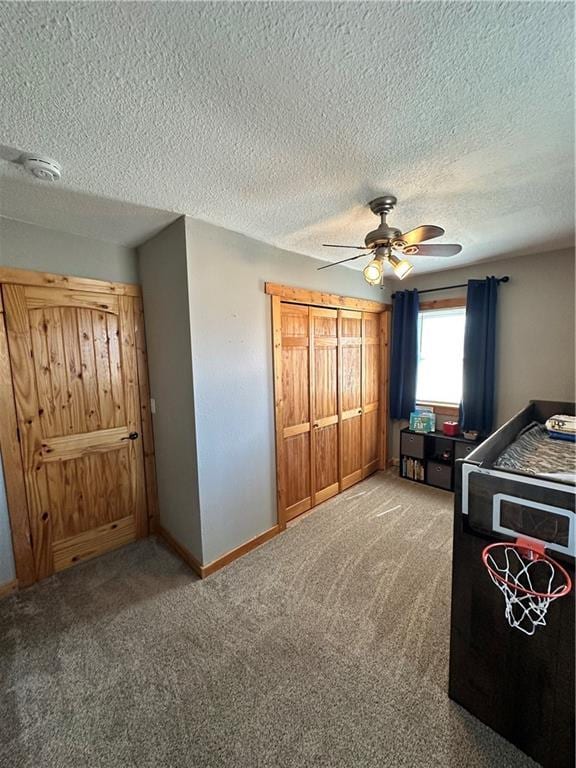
(152, 405)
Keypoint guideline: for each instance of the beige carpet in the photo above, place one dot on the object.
(328, 646)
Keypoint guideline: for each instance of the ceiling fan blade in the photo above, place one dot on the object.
(449, 249)
(418, 235)
(350, 258)
(356, 247)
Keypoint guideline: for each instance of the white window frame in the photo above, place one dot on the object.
(451, 409)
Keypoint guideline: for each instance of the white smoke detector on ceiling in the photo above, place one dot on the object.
(42, 167)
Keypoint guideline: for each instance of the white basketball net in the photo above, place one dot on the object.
(524, 611)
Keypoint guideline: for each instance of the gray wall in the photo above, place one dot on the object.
(7, 571)
(164, 278)
(233, 383)
(535, 353)
(28, 246)
(208, 329)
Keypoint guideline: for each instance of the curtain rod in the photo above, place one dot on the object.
(504, 279)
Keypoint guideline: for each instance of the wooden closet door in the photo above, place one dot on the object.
(350, 396)
(324, 402)
(75, 378)
(371, 344)
(294, 410)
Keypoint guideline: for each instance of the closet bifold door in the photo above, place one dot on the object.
(371, 342)
(294, 411)
(324, 403)
(350, 396)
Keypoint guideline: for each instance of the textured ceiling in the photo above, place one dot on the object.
(281, 120)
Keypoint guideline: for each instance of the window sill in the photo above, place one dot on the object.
(448, 409)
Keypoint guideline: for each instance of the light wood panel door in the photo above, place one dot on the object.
(371, 392)
(294, 410)
(330, 406)
(350, 395)
(75, 378)
(324, 403)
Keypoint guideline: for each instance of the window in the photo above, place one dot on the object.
(440, 355)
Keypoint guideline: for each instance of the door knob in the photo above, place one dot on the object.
(131, 436)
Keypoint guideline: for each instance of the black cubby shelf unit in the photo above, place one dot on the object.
(428, 457)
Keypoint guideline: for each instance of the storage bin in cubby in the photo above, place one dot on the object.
(412, 445)
(439, 475)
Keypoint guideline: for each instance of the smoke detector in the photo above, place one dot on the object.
(42, 167)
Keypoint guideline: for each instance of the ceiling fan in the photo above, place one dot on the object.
(381, 242)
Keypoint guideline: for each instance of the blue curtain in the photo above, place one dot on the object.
(404, 365)
(477, 407)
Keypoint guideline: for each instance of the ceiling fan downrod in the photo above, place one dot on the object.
(384, 234)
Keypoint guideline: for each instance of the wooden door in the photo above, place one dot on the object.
(350, 396)
(293, 411)
(75, 379)
(324, 403)
(371, 377)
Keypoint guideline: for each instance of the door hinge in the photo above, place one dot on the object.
(18, 433)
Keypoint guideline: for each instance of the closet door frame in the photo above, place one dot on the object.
(10, 446)
(284, 293)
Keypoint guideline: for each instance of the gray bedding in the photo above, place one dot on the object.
(536, 453)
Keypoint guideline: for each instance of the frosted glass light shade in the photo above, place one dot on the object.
(401, 267)
(373, 272)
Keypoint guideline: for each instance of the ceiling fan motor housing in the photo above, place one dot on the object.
(384, 235)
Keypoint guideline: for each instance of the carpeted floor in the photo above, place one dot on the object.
(328, 646)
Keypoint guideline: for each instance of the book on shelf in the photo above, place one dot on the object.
(412, 468)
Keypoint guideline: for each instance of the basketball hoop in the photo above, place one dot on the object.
(529, 580)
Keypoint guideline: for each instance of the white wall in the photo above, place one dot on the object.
(535, 333)
(164, 278)
(233, 382)
(27, 246)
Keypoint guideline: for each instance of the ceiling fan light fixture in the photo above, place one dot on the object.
(401, 267)
(373, 272)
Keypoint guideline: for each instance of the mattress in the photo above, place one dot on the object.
(536, 453)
